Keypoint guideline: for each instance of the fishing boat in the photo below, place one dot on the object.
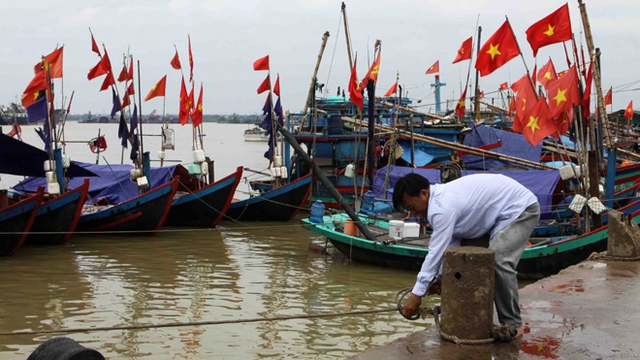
(206, 206)
(545, 256)
(141, 215)
(58, 216)
(16, 221)
(279, 204)
(256, 134)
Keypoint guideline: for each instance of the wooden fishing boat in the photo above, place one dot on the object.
(16, 221)
(141, 215)
(57, 218)
(204, 207)
(280, 204)
(545, 257)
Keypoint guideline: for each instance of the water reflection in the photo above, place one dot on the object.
(233, 272)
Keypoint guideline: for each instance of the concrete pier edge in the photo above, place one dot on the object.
(587, 311)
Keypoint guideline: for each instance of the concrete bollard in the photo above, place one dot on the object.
(468, 283)
(624, 236)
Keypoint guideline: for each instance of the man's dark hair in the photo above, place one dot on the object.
(410, 184)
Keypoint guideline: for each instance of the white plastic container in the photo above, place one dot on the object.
(49, 165)
(350, 171)
(53, 188)
(161, 154)
(204, 168)
(198, 156)
(277, 160)
(134, 174)
(396, 229)
(50, 176)
(284, 173)
(143, 183)
(411, 230)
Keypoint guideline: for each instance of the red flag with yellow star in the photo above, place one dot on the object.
(52, 63)
(498, 50)
(372, 74)
(537, 125)
(196, 114)
(158, 89)
(504, 86)
(554, 28)
(183, 111)
(461, 107)
(628, 113)
(526, 99)
(355, 93)
(434, 69)
(563, 93)
(547, 74)
(464, 53)
(516, 85)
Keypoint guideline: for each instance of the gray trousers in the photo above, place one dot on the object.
(508, 245)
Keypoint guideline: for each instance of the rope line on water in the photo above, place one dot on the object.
(194, 323)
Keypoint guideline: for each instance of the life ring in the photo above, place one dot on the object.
(98, 145)
(15, 130)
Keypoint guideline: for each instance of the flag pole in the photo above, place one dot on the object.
(476, 99)
(522, 57)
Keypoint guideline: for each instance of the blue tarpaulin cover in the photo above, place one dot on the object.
(113, 185)
(541, 182)
(421, 158)
(512, 144)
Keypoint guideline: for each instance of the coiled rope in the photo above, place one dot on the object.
(502, 333)
(603, 256)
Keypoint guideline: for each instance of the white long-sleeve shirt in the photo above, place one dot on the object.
(468, 208)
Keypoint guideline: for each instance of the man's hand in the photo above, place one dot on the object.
(436, 287)
(412, 306)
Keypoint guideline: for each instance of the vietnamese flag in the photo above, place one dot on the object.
(628, 113)
(196, 114)
(464, 53)
(261, 64)
(563, 122)
(563, 93)
(526, 98)
(554, 28)
(158, 89)
(435, 68)
(392, 90)
(183, 112)
(372, 74)
(547, 74)
(52, 63)
(266, 85)
(516, 85)
(498, 50)
(355, 93)
(36, 84)
(608, 99)
(504, 86)
(461, 108)
(537, 124)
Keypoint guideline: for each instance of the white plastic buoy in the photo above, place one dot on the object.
(204, 168)
(142, 182)
(284, 173)
(66, 161)
(49, 165)
(161, 154)
(277, 160)
(350, 171)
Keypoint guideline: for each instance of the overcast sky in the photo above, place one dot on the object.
(228, 35)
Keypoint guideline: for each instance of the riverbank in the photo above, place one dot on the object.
(587, 311)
